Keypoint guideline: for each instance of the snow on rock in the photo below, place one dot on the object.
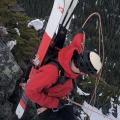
(73, 17)
(80, 92)
(111, 110)
(3, 31)
(96, 3)
(118, 111)
(96, 114)
(100, 94)
(11, 44)
(37, 24)
(17, 31)
(83, 115)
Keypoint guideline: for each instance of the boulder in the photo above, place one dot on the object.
(10, 72)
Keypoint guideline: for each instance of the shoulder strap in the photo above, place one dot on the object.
(74, 91)
(61, 78)
(56, 63)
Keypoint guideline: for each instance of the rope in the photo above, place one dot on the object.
(100, 32)
(100, 41)
(79, 105)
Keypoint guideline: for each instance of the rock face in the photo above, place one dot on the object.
(10, 72)
(3, 31)
(16, 8)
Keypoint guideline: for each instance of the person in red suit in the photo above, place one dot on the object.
(41, 87)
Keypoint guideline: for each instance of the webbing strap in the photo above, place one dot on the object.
(61, 78)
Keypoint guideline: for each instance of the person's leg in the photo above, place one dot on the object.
(49, 115)
(67, 113)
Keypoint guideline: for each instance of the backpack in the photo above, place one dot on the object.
(54, 47)
(61, 78)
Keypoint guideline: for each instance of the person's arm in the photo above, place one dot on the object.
(35, 87)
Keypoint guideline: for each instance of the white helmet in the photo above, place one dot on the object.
(88, 62)
(95, 61)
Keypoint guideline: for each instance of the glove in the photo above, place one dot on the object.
(63, 103)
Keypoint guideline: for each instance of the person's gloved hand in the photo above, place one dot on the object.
(63, 103)
(41, 110)
(36, 24)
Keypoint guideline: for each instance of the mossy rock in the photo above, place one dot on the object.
(27, 43)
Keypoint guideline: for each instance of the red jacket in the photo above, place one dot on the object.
(42, 79)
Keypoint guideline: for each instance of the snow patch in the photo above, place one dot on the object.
(96, 3)
(17, 31)
(100, 94)
(37, 24)
(73, 17)
(11, 44)
(95, 114)
(118, 111)
(80, 92)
